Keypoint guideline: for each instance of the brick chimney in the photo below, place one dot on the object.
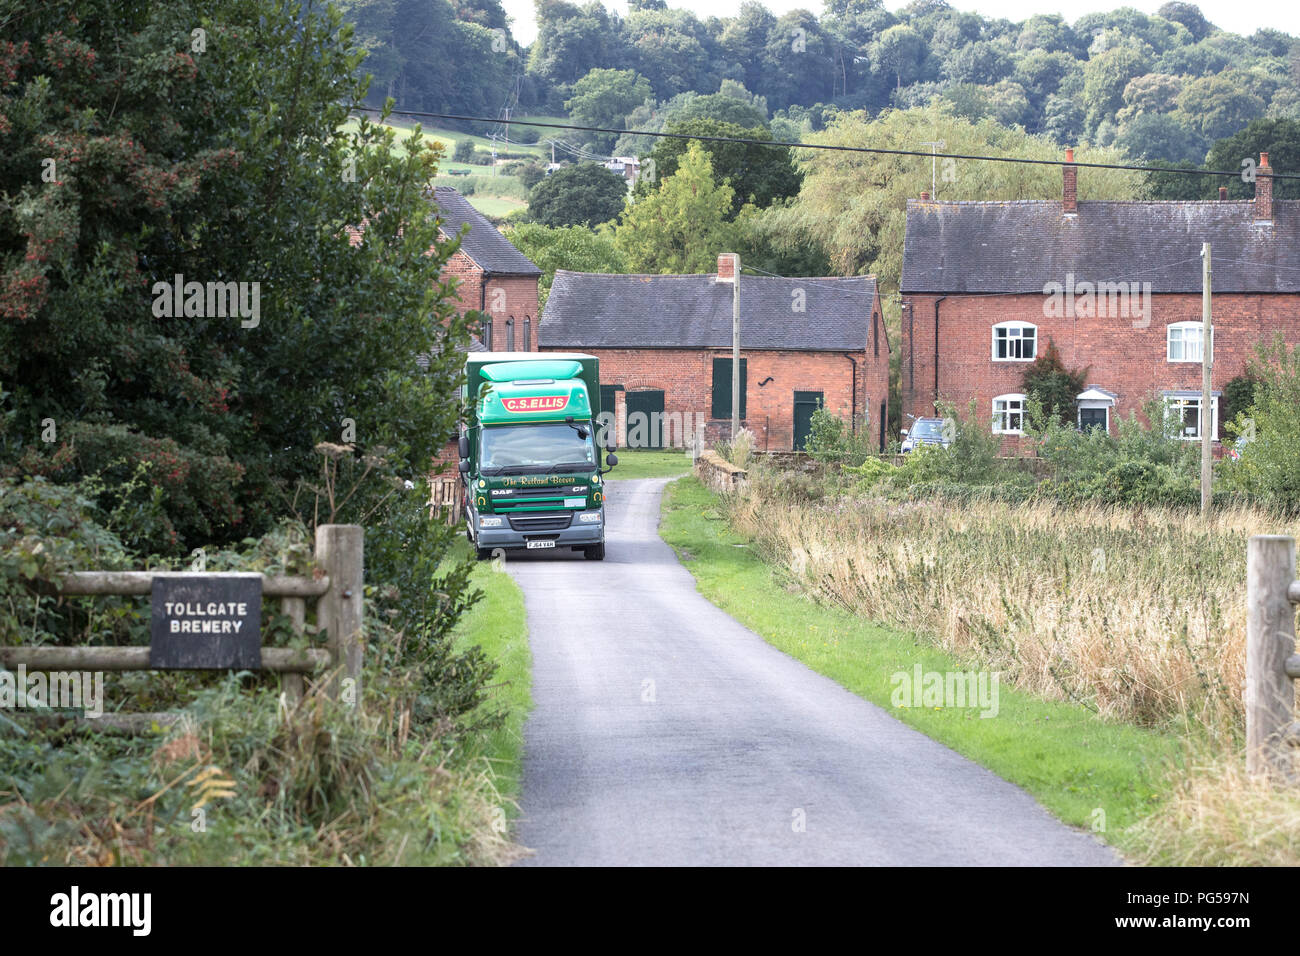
(727, 266)
(1264, 189)
(1069, 185)
(1223, 193)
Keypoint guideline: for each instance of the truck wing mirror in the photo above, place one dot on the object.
(611, 459)
(464, 466)
(463, 446)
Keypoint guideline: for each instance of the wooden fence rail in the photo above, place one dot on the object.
(1272, 592)
(339, 597)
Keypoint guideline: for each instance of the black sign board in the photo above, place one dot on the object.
(206, 622)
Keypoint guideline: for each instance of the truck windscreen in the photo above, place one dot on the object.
(540, 447)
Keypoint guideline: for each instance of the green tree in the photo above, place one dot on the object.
(571, 41)
(1219, 105)
(980, 63)
(586, 194)
(228, 165)
(605, 98)
(744, 40)
(1105, 77)
(431, 55)
(757, 174)
(797, 61)
(1161, 137)
(1190, 16)
(1150, 93)
(575, 248)
(1046, 32)
(681, 226)
(899, 52)
(1052, 388)
(1280, 138)
(672, 48)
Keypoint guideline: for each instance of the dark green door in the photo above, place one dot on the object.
(645, 416)
(607, 398)
(805, 403)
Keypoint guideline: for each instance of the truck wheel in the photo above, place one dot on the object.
(483, 554)
(595, 552)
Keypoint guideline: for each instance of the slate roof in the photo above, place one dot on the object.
(589, 310)
(1016, 247)
(484, 244)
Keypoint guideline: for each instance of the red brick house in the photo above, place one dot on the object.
(664, 344)
(493, 277)
(1115, 285)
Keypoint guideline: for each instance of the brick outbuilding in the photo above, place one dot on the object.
(664, 344)
(1116, 286)
(493, 277)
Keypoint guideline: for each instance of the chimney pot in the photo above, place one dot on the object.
(1263, 159)
(925, 197)
(1223, 193)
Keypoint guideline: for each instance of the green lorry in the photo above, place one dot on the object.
(530, 453)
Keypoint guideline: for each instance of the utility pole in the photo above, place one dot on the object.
(735, 346)
(1207, 365)
(935, 146)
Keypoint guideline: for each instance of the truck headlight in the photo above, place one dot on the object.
(589, 516)
(489, 521)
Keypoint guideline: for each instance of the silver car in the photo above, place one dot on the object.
(925, 431)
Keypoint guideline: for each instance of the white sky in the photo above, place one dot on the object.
(1232, 15)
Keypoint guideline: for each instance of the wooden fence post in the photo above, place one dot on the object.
(339, 550)
(1270, 645)
(292, 684)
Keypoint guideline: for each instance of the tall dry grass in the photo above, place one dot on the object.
(1137, 613)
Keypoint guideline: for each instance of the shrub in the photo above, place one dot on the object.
(1270, 463)
(530, 174)
(464, 151)
(832, 442)
(1054, 387)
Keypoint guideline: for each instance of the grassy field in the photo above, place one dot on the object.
(494, 207)
(494, 196)
(1074, 762)
(642, 463)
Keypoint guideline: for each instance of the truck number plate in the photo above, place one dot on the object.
(540, 544)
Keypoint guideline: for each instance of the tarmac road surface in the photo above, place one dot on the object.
(666, 733)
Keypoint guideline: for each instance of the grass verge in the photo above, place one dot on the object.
(1073, 762)
(497, 624)
(645, 463)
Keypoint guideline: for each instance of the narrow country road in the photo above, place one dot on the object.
(665, 733)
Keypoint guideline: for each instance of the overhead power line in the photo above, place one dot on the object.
(836, 148)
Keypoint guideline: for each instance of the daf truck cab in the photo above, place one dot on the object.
(531, 453)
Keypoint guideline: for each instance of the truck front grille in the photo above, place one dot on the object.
(541, 522)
